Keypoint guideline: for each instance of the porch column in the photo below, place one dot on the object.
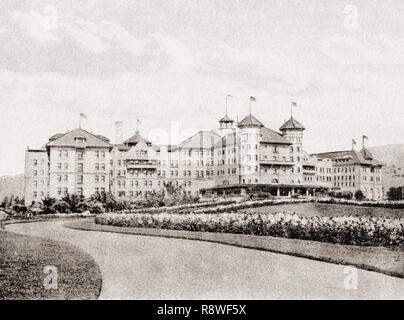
(278, 192)
(307, 192)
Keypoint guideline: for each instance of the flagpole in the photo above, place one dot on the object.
(249, 106)
(227, 98)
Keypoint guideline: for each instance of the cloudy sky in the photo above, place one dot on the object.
(172, 62)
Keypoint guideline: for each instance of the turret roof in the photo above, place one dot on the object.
(134, 140)
(250, 121)
(292, 123)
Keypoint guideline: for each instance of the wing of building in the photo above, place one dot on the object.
(230, 160)
(356, 170)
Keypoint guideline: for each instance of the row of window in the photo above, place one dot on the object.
(142, 193)
(41, 173)
(35, 162)
(41, 183)
(199, 153)
(172, 163)
(80, 166)
(149, 183)
(344, 184)
(80, 154)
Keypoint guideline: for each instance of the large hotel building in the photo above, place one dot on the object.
(234, 159)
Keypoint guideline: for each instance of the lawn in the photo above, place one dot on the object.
(22, 263)
(328, 210)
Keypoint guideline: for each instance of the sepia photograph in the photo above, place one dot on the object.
(201, 150)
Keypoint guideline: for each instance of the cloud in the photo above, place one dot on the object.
(85, 48)
(348, 50)
(260, 69)
(33, 24)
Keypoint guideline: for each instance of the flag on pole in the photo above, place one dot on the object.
(292, 104)
(253, 99)
(138, 124)
(227, 98)
(82, 117)
(353, 143)
(363, 140)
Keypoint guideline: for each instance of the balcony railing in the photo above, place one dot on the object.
(151, 164)
(276, 162)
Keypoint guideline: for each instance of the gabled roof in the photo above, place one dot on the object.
(134, 140)
(201, 140)
(226, 119)
(271, 136)
(68, 140)
(351, 157)
(366, 154)
(292, 123)
(56, 136)
(250, 121)
(267, 136)
(122, 147)
(102, 137)
(228, 140)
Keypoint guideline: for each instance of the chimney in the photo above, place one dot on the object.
(118, 132)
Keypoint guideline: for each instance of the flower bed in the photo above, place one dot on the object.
(250, 204)
(364, 231)
(182, 208)
(52, 216)
(381, 204)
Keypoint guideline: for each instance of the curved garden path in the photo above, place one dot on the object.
(143, 267)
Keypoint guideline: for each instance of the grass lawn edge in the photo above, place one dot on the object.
(61, 244)
(376, 259)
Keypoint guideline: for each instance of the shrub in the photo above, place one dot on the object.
(395, 194)
(20, 208)
(364, 231)
(359, 195)
(47, 205)
(61, 206)
(95, 207)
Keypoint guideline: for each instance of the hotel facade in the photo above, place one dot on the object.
(234, 159)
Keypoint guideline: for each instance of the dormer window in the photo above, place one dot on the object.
(80, 139)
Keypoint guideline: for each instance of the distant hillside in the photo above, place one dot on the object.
(391, 155)
(11, 185)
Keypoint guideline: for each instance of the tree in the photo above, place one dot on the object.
(48, 205)
(11, 201)
(395, 194)
(75, 202)
(4, 203)
(359, 195)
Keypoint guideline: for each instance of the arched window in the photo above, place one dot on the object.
(274, 181)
